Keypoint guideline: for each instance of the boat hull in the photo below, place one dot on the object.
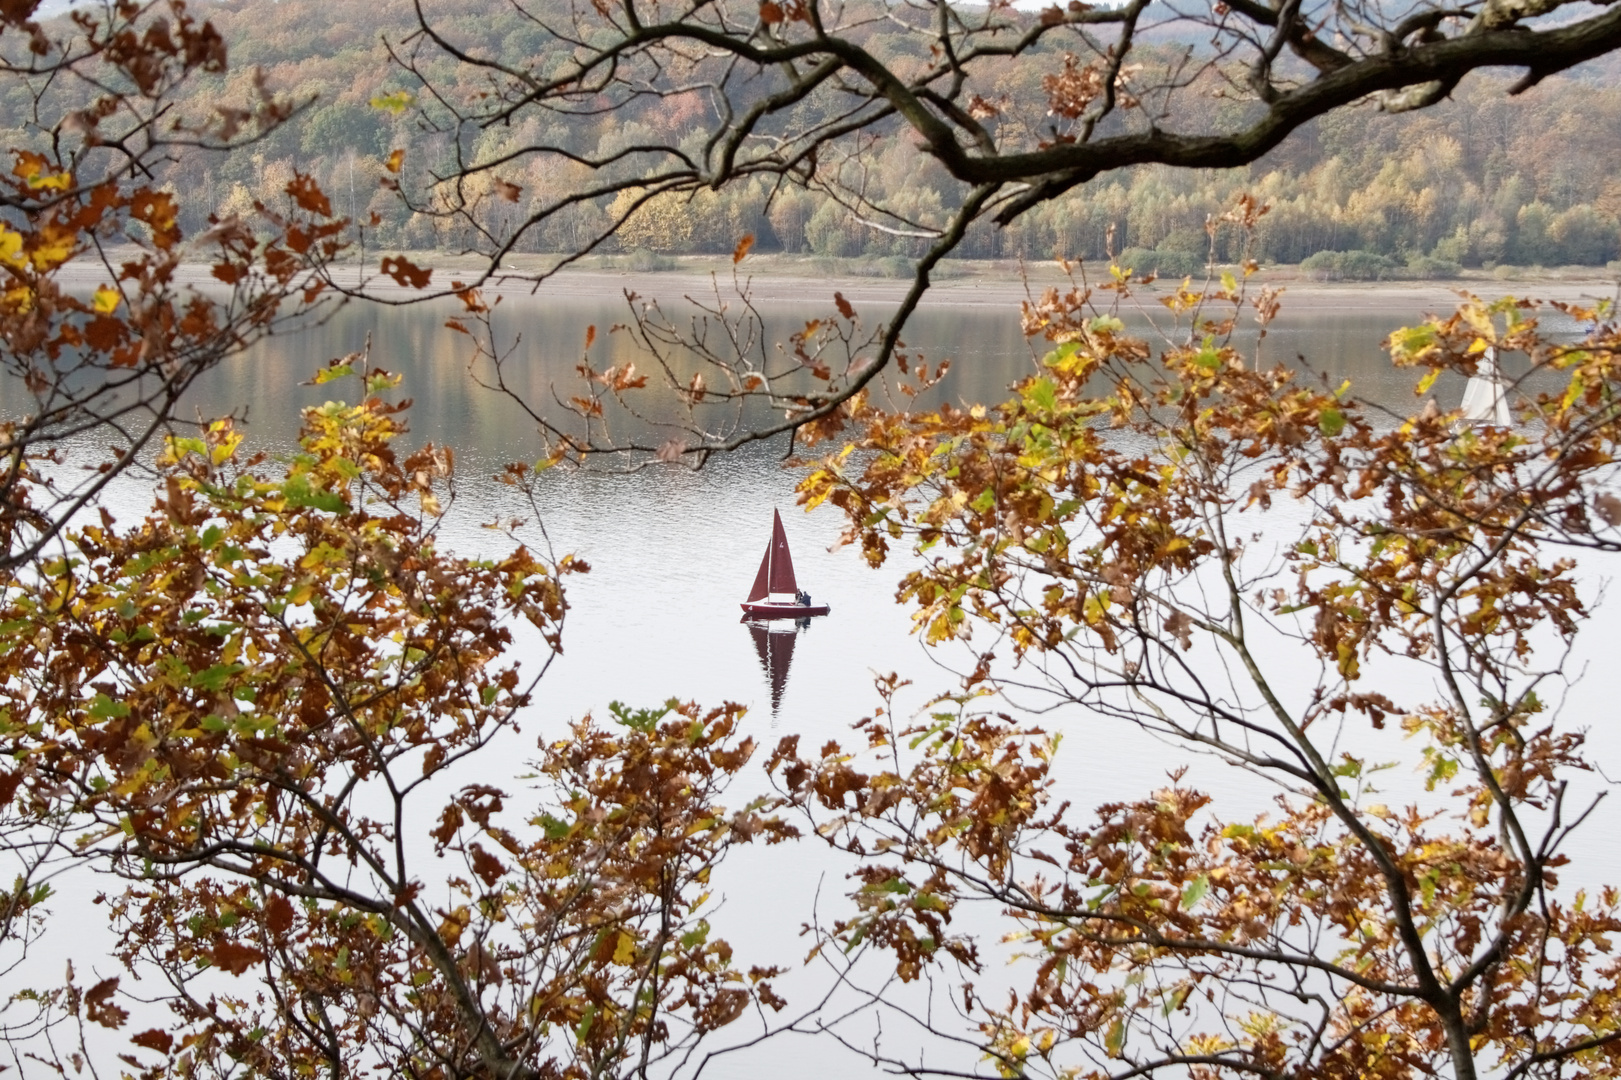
(783, 611)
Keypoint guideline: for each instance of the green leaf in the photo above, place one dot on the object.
(299, 492)
(214, 678)
(1043, 395)
(105, 708)
(642, 720)
(332, 374)
(1195, 891)
(1331, 422)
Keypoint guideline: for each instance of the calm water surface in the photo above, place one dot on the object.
(674, 551)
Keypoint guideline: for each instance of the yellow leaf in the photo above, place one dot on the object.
(11, 246)
(450, 930)
(395, 103)
(624, 948)
(54, 249)
(54, 181)
(105, 301)
(1479, 322)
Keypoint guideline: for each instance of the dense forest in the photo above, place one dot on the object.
(1483, 180)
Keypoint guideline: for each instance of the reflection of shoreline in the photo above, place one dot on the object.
(982, 285)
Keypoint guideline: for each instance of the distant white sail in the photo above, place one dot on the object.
(1485, 399)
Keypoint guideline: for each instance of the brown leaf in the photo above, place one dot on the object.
(158, 210)
(234, 958)
(770, 13)
(1608, 508)
(308, 195)
(844, 306)
(154, 1039)
(407, 273)
(17, 12)
(487, 866)
(395, 160)
(99, 1007)
(508, 191)
(279, 914)
(741, 252)
(1181, 627)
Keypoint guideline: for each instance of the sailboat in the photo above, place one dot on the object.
(776, 594)
(1485, 400)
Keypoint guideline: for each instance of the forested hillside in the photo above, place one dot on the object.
(1481, 180)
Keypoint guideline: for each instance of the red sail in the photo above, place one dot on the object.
(782, 564)
(777, 567)
(762, 579)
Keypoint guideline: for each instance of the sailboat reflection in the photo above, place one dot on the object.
(774, 642)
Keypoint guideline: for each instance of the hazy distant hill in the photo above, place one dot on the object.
(1479, 180)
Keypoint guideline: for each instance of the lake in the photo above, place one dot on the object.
(673, 551)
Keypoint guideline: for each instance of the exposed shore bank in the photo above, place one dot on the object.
(778, 280)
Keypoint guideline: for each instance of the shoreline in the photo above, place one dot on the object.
(777, 281)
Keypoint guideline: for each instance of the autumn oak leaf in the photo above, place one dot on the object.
(486, 866)
(279, 914)
(234, 958)
(154, 1039)
(1180, 626)
(407, 273)
(309, 196)
(99, 1007)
